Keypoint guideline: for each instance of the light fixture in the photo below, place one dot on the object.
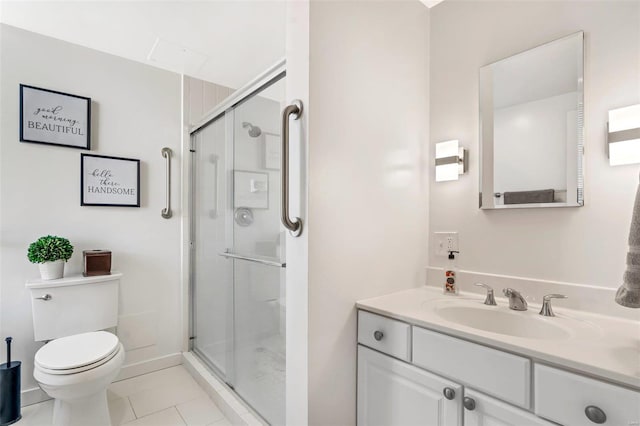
(623, 139)
(451, 161)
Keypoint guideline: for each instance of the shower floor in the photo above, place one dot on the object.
(260, 376)
(260, 379)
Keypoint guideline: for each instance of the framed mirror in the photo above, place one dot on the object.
(531, 127)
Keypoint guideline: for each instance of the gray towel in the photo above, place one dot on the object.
(529, 197)
(628, 294)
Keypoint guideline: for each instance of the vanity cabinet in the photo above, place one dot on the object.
(408, 375)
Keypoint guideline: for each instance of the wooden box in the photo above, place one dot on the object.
(96, 262)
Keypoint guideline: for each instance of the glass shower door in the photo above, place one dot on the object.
(212, 298)
(259, 287)
(238, 275)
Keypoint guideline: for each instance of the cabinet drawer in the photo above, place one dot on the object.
(563, 397)
(395, 337)
(497, 373)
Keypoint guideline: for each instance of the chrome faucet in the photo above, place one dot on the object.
(516, 301)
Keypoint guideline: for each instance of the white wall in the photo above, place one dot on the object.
(135, 112)
(297, 250)
(585, 245)
(367, 220)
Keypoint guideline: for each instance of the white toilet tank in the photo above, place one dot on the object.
(73, 305)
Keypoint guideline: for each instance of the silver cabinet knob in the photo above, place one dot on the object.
(45, 297)
(378, 335)
(595, 414)
(469, 403)
(449, 393)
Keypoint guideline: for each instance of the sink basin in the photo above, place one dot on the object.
(526, 324)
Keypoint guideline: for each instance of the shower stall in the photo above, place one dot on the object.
(238, 263)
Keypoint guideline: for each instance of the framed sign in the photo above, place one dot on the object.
(109, 181)
(54, 118)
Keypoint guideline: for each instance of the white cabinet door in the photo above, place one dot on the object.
(394, 393)
(492, 412)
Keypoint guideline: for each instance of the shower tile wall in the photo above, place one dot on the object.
(203, 97)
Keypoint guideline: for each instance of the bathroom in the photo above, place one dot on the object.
(380, 84)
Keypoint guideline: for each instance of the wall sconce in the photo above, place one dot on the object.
(451, 161)
(623, 138)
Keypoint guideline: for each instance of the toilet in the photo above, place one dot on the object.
(81, 358)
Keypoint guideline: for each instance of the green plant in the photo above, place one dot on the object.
(49, 249)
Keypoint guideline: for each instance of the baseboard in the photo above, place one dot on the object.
(33, 396)
(582, 297)
(234, 409)
(36, 395)
(149, 365)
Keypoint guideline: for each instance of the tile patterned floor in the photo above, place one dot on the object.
(167, 397)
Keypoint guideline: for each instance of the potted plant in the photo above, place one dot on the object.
(50, 253)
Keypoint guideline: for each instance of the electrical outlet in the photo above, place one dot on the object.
(446, 242)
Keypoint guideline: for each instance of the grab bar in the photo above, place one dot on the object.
(294, 110)
(253, 259)
(166, 212)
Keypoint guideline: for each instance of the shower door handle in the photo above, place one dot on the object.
(166, 154)
(294, 110)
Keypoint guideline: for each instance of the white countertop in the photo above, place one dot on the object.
(605, 347)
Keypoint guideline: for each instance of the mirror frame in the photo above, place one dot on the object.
(486, 190)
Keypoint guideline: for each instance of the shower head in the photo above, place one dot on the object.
(254, 131)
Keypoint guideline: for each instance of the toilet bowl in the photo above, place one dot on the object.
(76, 371)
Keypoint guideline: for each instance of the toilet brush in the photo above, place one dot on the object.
(9, 389)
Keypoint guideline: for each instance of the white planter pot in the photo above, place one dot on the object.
(51, 270)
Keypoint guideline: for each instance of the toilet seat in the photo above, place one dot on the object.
(77, 353)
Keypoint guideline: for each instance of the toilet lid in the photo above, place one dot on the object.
(76, 351)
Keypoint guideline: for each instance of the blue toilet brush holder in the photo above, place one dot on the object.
(9, 389)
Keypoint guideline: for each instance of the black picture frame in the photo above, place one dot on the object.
(98, 175)
(30, 135)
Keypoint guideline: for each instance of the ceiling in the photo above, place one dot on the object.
(225, 42)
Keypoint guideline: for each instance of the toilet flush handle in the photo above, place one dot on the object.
(45, 297)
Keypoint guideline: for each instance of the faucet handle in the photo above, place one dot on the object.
(546, 310)
(489, 300)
